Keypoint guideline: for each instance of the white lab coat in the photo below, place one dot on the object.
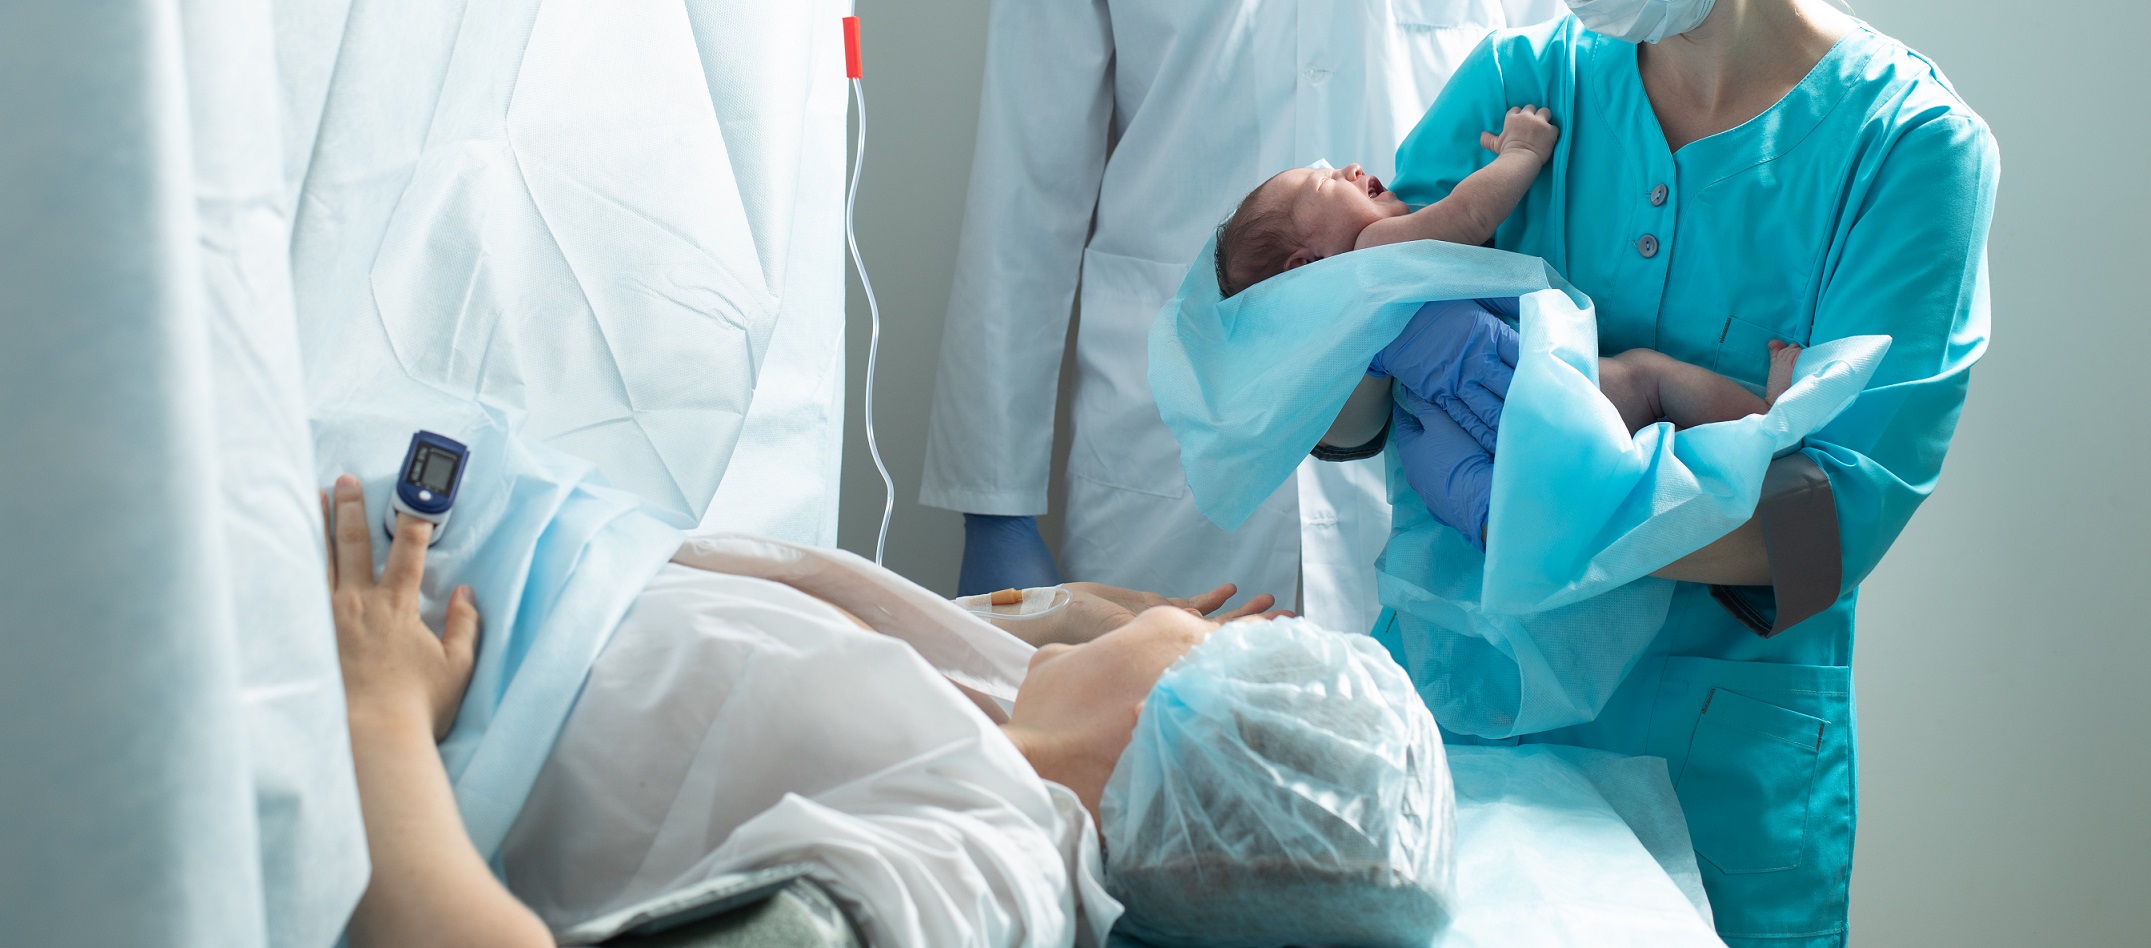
(735, 722)
(1114, 135)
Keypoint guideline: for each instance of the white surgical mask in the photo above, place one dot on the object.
(1640, 21)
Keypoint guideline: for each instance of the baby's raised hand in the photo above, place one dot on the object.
(1527, 128)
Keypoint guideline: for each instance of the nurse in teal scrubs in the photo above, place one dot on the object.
(1731, 173)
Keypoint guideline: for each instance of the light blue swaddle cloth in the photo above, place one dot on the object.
(553, 558)
(1536, 632)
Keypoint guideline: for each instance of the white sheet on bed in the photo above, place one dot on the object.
(1545, 858)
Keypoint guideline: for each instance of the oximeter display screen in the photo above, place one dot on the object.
(432, 469)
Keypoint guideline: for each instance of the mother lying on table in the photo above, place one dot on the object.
(736, 722)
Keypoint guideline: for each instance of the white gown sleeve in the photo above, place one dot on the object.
(1042, 128)
(733, 723)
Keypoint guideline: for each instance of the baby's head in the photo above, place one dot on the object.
(1296, 218)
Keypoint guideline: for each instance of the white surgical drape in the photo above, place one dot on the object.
(504, 199)
(622, 218)
(171, 719)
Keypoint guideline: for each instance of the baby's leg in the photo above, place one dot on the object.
(1632, 389)
(1647, 385)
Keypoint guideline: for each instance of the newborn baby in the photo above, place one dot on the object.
(1306, 214)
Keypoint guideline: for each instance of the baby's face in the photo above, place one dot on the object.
(1331, 206)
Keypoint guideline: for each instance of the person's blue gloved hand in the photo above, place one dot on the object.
(1004, 553)
(1458, 356)
(1452, 471)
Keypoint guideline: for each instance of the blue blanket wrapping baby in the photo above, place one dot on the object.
(1536, 632)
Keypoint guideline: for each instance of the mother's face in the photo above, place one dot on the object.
(1078, 705)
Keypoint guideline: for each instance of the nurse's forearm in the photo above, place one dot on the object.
(1738, 558)
(1363, 415)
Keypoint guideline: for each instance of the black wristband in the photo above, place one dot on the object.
(1323, 452)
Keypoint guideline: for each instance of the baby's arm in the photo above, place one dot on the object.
(1483, 199)
(1646, 385)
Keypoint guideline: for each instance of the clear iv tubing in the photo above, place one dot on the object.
(873, 345)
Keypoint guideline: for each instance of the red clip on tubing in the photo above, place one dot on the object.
(851, 46)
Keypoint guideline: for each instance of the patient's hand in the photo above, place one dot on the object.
(394, 668)
(1079, 704)
(1097, 609)
(401, 687)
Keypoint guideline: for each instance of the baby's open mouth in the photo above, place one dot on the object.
(1374, 186)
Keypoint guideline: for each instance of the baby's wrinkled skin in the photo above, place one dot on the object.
(1320, 213)
(1325, 212)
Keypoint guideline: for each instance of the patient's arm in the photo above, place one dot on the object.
(401, 688)
(1480, 202)
(1098, 609)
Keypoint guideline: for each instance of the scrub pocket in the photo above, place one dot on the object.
(1748, 754)
(1763, 757)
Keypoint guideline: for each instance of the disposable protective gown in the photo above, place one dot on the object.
(736, 721)
(1859, 204)
(1113, 137)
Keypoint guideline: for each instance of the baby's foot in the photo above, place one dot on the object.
(1783, 356)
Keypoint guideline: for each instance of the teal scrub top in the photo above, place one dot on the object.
(1858, 204)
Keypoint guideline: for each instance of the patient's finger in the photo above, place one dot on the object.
(459, 634)
(1252, 607)
(328, 536)
(459, 644)
(1490, 141)
(354, 538)
(407, 555)
(1207, 602)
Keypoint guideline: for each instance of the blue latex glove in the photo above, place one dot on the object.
(1452, 471)
(1004, 553)
(1459, 356)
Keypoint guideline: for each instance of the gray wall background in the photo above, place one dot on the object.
(2006, 794)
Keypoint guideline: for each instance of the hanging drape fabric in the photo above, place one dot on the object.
(171, 716)
(621, 219)
(600, 213)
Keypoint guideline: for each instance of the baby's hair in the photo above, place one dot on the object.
(1253, 244)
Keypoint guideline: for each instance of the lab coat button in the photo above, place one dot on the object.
(1647, 245)
(1658, 196)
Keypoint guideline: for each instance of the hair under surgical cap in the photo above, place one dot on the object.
(1285, 785)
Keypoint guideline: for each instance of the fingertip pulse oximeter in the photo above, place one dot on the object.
(426, 484)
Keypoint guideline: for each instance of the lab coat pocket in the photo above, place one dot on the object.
(1119, 440)
(1432, 13)
(1750, 772)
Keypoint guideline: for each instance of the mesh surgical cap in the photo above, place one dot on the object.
(1285, 785)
